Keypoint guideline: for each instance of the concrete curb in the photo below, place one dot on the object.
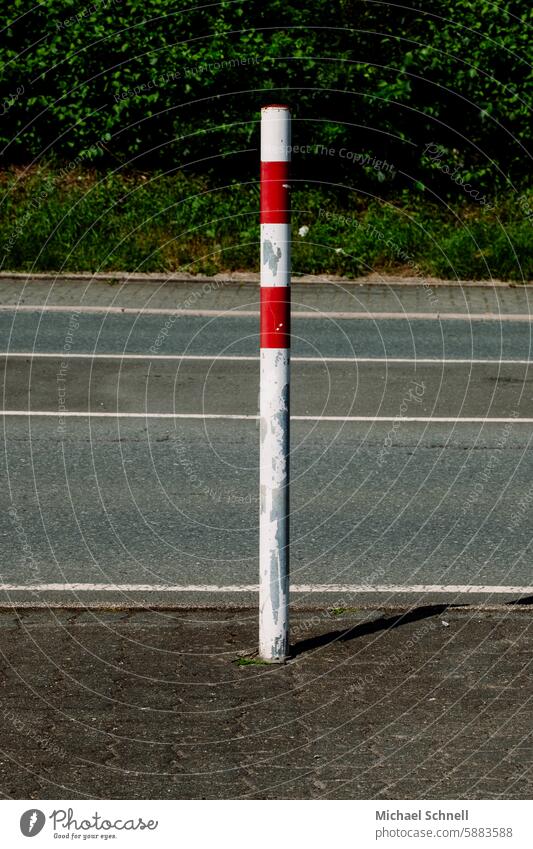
(242, 278)
(509, 608)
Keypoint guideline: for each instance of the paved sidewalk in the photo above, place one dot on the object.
(241, 291)
(433, 704)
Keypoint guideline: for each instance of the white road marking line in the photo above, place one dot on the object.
(108, 415)
(253, 588)
(239, 358)
(238, 311)
(242, 417)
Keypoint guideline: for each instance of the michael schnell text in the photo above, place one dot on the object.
(420, 815)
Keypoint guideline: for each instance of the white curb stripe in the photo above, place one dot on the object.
(241, 417)
(467, 589)
(37, 355)
(247, 313)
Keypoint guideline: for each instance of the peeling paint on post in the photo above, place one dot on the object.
(274, 384)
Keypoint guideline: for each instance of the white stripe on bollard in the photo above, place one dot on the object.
(274, 385)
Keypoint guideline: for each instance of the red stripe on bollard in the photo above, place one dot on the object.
(275, 200)
(275, 323)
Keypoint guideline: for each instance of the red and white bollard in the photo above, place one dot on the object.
(274, 384)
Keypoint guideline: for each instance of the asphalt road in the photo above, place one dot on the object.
(155, 493)
(233, 334)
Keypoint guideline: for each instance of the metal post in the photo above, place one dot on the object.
(274, 384)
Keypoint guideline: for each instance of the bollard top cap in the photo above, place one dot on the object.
(275, 106)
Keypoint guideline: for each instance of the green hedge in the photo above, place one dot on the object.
(89, 221)
(153, 84)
